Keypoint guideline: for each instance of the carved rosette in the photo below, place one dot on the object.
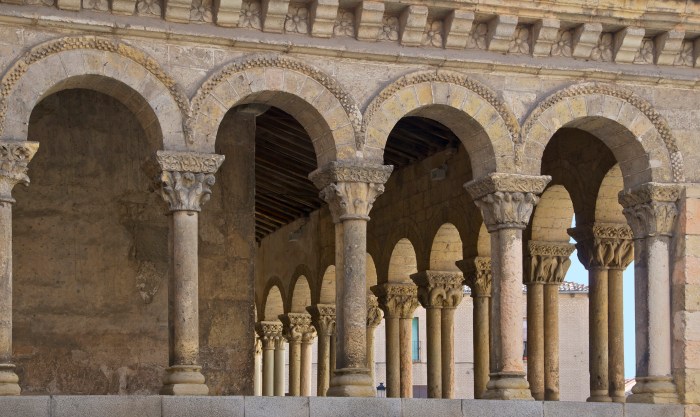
(14, 157)
(651, 209)
(270, 333)
(477, 275)
(374, 313)
(397, 300)
(298, 327)
(350, 188)
(549, 262)
(604, 245)
(186, 178)
(506, 200)
(323, 319)
(439, 289)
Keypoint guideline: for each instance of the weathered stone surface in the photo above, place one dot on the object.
(568, 409)
(29, 406)
(653, 410)
(105, 406)
(273, 406)
(514, 408)
(354, 407)
(419, 407)
(203, 406)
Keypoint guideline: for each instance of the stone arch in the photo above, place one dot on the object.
(446, 248)
(635, 132)
(552, 215)
(327, 289)
(104, 65)
(607, 207)
(300, 296)
(371, 273)
(483, 243)
(273, 300)
(483, 123)
(403, 262)
(326, 111)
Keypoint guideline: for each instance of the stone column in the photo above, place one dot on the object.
(278, 384)
(506, 202)
(624, 254)
(14, 157)
(350, 188)
(323, 318)
(535, 330)
(257, 379)
(270, 332)
(297, 329)
(599, 247)
(651, 211)
(185, 184)
(307, 340)
(398, 300)
(477, 272)
(374, 317)
(549, 262)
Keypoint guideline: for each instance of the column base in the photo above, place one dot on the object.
(507, 386)
(599, 396)
(9, 381)
(351, 382)
(654, 390)
(184, 380)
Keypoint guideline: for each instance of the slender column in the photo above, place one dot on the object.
(270, 332)
(535, 338)
(278, 384)
(453, 297)
(374, 317)
(477, 273)
(350, 189)
(506, 202)
(257, 377)
(398, 301)
(323, 318)
(297, 328)
(14, 157)
(185, 184)
(651, 212)
(549, 262)
(307, 339)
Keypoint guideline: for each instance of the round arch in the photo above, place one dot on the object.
(483, 244)
(482, 121)
(638, 135)
(371, 273)
(327, 290)
(446, 248)
(403, 262)
(552, 215)
(300, 295)
(607, 208)
(324, 109)
(272, 304)
(103, 65)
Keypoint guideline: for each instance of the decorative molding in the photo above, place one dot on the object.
(270, 333)
(323, 318)
(374, 313)
(603, 245)
(274, 14)
(344, 23)
(651, 208)
(433, 35)
(149, 8)
(189, 161)
(397, 300)
(477, 275)
(201, 11)
(439, 289)
(478, 36)
(350, 171)
(627, 43)
(458, 26)
(322, 17)
(645, 53)
(297, 20)
(389, 29)
(564, 44)
(14, 158)
(369, 17)
(549, 262)
(412, 24)
(641, 104)
(520, 44)
(545, 34)
(186, 178)
(542, 248)
(501, 32)
(686, 56)
(603, 51)
(509, 183)
(586, 37)
(251, 15)
(298, 327)
(668, 47)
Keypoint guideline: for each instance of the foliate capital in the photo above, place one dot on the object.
(186, 178)
(270, 333)
(604, 245)
(650, 208)
(439, 289)
(477, 275)
(298, 327)
(374, 313)
(549, 262)
(350, 187)
(14, 157)
(323, 318)
(507, 200)
(397, 300)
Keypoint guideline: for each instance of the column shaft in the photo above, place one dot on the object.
(306, 361)
(393, 357)
(268, 370)
(481, 345)
(616, 341)
(659, 306)
(323, 366)
(186, 292)
(257, 369)
(294, 367)
(406, 356)
(279, 368)
(9, 382)
(535, 340)
(551, 342)
(448, 352)
(598, 334)
(370, 352)
(434, 342)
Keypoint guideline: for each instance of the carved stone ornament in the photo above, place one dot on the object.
(439, 289)
(604, 245)
(270, 333)
(477, 275)
(189, 162)
(323, 318)
(374, 313)
(549, 262)
(298, 327)
(650, 208)
(497, 181)
(14, 157)
(186, 178)
(397, 300)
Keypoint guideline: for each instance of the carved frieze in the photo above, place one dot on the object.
(186, 178)
(14, 157)
(298, 327)
(323, 318)
(650, 208)
(604, 245)
(439, 289)
(397, 300)
(549, 262)
(270, 333)
(477, 275)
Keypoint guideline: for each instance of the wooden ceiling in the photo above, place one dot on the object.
(284, 157)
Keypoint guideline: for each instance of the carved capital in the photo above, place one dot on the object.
(14, 157)
(549, 262)
(270, 333)
(651, 209)
(604, 245)
(374, 313)
(350, 188)
(477, 275)
(323, 318)
(298, 327)
(397, 300)
(439, 289)
(258, 346)
(506, 200)
(186, 178)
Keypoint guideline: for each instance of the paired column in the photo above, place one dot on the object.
(350, 188)
(440, 292)
(300, 334)
(14, 157)
(374, 317)
(477, 273)
(506, 202)
(323, 319)
(605, 250)
(257, 380)
(549, 262)
(185, 184)
(398, 301)
(651, 211)
(270, 333)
